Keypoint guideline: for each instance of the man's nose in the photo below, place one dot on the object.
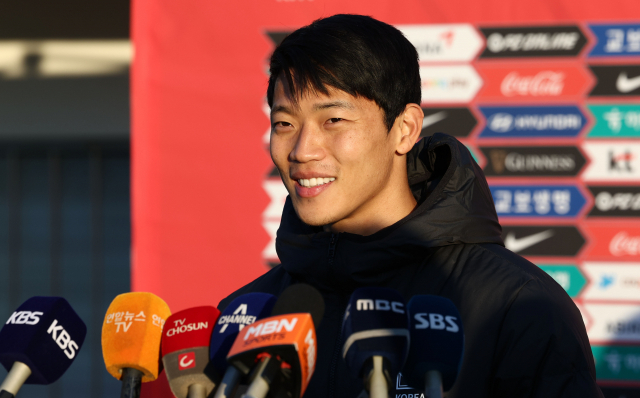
(309, 145)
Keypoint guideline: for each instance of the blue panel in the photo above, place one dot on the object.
(616, 40)
(537, 200)
(532, 121)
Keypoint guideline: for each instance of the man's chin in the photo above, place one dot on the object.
(314, 219)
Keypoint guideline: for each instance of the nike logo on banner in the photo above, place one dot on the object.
(626, 85)
(515, 245)
(433, 119)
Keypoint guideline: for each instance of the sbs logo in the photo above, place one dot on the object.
(436, 322)
(25, 318)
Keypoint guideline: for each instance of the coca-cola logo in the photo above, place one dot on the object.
(624, 245)
(544, 83)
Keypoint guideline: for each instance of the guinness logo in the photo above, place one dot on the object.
(497, 160)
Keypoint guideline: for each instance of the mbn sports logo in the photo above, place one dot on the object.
(270, 327)
(379, 305)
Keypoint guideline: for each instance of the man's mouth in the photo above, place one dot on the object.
(314, 182)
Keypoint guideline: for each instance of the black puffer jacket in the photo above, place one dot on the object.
(524, 335)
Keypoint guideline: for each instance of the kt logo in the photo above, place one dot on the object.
(187, 360)
(620, 162)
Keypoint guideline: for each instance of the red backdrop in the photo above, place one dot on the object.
(199, 160)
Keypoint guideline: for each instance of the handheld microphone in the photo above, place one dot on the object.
(376, 328)
(283, 345)
(185, 351)
(241, 312)
(131, 335)
(437, 344)
(39, 342)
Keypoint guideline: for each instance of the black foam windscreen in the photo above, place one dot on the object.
(437, 340)
(300, 298)
(45, 334)
(375, 324)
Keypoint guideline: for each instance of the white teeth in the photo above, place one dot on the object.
(314, 182)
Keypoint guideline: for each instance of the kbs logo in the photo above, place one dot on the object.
(379, 305)
(436, 322)
(532, 122)
(187, 360)
(25, 318)
(533, 83)
(449, 84)
(62, 339)
(443, 43)
(615, 201)
(538, 41)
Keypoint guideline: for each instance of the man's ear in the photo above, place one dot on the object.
(410, 126)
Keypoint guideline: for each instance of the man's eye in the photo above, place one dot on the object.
(281, 124)
(334, 120)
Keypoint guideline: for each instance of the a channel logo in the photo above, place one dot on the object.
(532, 121)
(449, 84)
(612, 161)
(533, 84)
(443, 42)
(537, 200)
(615, 121)
(615, 40)
(533, 41)
(612, 281)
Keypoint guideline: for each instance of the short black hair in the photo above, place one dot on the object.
(353, 53)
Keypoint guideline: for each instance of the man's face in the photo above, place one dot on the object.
(334, 154)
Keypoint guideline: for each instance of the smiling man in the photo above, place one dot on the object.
(372, 205)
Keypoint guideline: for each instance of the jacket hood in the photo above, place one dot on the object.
(454, 206)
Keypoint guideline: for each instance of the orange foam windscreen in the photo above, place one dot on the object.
(131, 334)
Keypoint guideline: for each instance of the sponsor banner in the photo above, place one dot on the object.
(616, 80)
(567, 276)
(612, 161)
(619, 242)
(452, 83)
(444, 42)
(617, 363)
(612, 281)
(543, 240)
(615, 121)
(530, 161)
(620, 392)
(533, 41)
(532, 121)
(611, 201)
(458, 122)
(537, 200)
(533, 83)
(616, 40)
(613, 322)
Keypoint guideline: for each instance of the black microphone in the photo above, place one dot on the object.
(377, 337)
(437, 344)
(39, 342)
(241, 312)
(280, 351)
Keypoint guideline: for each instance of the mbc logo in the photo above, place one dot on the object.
(380, 305)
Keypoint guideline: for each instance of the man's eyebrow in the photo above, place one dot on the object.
(282, 108)
(334, 104)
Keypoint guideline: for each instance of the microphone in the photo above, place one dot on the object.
(376, 328)
(131, 335)
(242, 311)
(437, 344)
(283, 345)
(185, 351)
(39, 342)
